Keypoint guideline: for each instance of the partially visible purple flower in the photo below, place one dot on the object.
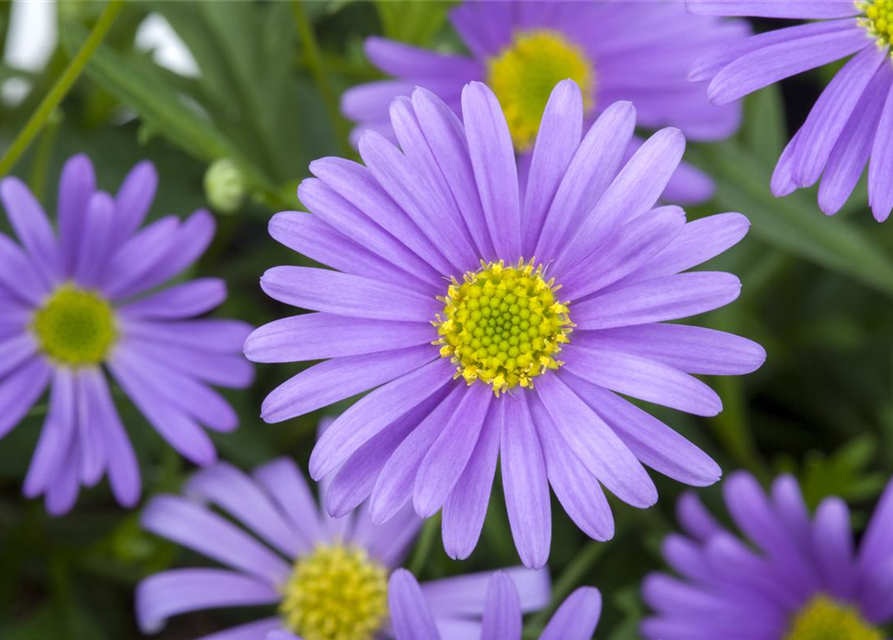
(852, 121)
(787, 576)
(82, 300)
(547, 302)
(412, 617)
(635, 51)
(322, 578)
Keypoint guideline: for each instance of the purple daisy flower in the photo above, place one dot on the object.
(636, 51)
(437, 235)
(850, 123)
(328, 578)
(83, 300)
(413, 619)
(788, 577)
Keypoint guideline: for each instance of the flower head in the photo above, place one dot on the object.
(788, 576)
(851, 123)
(322, 578)
(575, 619)
(545, 304)
(82, 300)
(637, 51)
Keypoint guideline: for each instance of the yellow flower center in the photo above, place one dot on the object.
(825, 619)
(503, 325)
(336, 593)
(75, 327)
(523, 75)
(877, 19)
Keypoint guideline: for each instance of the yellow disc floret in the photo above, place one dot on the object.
(503, 325)
(826, 619)
(524, 73)
(336, 593)
(877, 18)
(75, 327)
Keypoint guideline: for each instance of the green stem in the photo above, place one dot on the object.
(37, 180)
(37, 121)
(313, 59)
(569, 579)
(426, 542)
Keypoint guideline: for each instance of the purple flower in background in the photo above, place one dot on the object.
(525, 354)
(327, 578)
(790, 576)
(412, 618)
(82, 300)
(636, 51)
(852, 121)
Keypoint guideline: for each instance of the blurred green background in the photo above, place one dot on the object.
(818, 294)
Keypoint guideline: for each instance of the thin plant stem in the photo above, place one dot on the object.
(426, 542)
(313, 59)
(59, 90)
(44, 151)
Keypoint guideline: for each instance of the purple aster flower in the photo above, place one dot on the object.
(413, 619)
(636, 51)
(526, 354)
(790, 576)
(850, 123)
(83, 300)
(323, 578)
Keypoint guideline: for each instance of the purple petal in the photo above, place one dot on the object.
(212, 335)
(32, 226)
(502, 610)
(466, 508)
(347, 295)
(340, 378)
(448, 456)
(463, 596)
(133, 200)
(375, 412)
(301, 337)
(410, 616)
(495, 171)
(832, 539)
(76, 185)
(773, 8)
(137, 256)
(405, 61)
(225, 370)
(250, 631)
(776, 62)
(62, 490)
(56, 437)
(18, 275)
(91, 438)
(20, 390)
(394, 486)
(880, 170)
(96, 239)
(690, 349)
(284, 483)
(577, 616)
(829, 116)
(556, 143)
(695, 518)
(242, 498)
(578, 490)
(197, 528)
(177, 591)
(592, 169)
(875, 547)
(657, 300)
(180, 301)
(20, 347)
(525, 483)
(603, 453)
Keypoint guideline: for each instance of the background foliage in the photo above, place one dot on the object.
(818, 294)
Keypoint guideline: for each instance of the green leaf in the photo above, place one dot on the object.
(412, 21)
(794, 224)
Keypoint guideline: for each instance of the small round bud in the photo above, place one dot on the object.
(225, 186)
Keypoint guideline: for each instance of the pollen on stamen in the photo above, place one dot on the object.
(825, 619)
(877, 18)
(503, 326)
(337, 592)
(523, 75)
(75, 327)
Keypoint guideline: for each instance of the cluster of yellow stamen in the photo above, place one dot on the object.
(503, 325)
(336, 593)
(75, 327)
(826, 619)
(877, 19)
(524, 73)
